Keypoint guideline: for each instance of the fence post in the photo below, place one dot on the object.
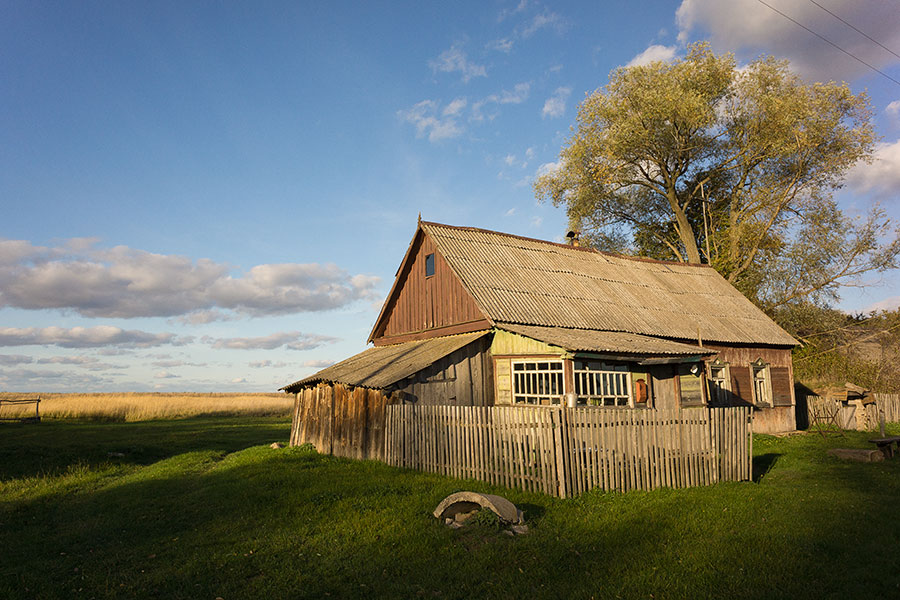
(559, 449)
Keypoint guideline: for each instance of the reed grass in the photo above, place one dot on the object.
(137, 406)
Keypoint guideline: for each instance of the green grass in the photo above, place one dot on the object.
(202, 508)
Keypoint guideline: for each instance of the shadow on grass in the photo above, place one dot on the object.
(53, 446)
(762, 464)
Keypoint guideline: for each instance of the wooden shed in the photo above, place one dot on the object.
(481, 318)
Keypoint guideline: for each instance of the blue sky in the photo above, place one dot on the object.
(215, 196)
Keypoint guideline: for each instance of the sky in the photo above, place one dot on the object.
(215, 196)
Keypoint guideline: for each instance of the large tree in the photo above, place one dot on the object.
(701, 161)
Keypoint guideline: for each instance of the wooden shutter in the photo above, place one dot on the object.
(781, 385)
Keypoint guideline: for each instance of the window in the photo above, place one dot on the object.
(690, 382)
(538, 382)
(719, 384)
(601, 384)
(762, 383)
(429, 265)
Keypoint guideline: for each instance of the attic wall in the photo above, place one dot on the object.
(464, 378)
(427, 303)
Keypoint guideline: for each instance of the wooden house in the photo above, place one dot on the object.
(477, 317)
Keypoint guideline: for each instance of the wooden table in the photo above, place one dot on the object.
(885, 445)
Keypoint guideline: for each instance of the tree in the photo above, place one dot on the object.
(701, 161)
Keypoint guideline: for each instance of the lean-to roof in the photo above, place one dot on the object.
(381, 366)
(532, 282)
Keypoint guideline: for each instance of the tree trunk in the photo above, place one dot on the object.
(685, 231)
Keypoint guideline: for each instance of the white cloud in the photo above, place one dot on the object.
(172, 363)
(882, 177)
(318, 364)
(504, 45)
(547, 168)
(517, 95)
(508, 12)
(455, 60)
(529, 153)
(239, 380)
(510, 212)
(455, 107)
(125, 282)
(510, 160)
(537, 221)
(292, 340)
(263, 364)
(888, 304)
(51, 380)
(750, 28)
(202, 317)
(653, 53)
(424, 116)
(85, 362)
(15, 359)
(893, 111)
(555, 106)
(86, 337)
(164, 375)
(546, 19)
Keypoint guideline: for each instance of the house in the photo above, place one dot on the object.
(478, 317)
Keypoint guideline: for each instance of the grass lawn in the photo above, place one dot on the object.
(202, 508)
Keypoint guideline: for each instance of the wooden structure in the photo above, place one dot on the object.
(565, 452)
(828, 413)
(481, 318)
(340, 421)
(18, 403)
(558, 451)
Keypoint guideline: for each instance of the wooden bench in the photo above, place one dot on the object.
(885, 444)
(19, 402)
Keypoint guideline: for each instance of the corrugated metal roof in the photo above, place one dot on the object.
(381, 366)
(532, 282)
(612, 342)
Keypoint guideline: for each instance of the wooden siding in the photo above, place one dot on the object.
(419, 303)
(341, 421)
(508, 343)
(744, 355)
(463, 378)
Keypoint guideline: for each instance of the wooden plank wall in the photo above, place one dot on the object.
(421, 303)
(463, 378)
(340, 421)
(565, 452)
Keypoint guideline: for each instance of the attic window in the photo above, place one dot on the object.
(429, 265)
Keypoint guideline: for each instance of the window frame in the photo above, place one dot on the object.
(765, 382)
(430, 262)
(555, 379)
(718, 395)
(608, 373)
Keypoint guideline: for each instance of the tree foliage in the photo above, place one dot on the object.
(701, 161)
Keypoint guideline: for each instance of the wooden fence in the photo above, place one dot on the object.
(826, 411)
(564, 452)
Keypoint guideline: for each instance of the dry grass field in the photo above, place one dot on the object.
(136, 406)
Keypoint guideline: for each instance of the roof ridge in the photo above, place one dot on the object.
(566, 246)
